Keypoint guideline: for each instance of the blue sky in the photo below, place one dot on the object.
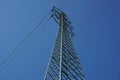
(97, 42)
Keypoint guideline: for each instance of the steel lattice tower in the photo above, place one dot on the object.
(63, 63)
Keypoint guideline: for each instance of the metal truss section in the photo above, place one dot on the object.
(63, 63)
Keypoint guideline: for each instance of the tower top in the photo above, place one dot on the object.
(55, 14)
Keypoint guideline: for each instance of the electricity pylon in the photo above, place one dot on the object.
(63, 63)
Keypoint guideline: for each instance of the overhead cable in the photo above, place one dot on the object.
(27, 39)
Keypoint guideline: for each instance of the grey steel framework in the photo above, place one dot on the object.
(63, 63)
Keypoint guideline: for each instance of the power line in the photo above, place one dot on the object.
(97, 8)
(57, 4)
(35, 28)
(93, 17)
(89, 6)
(31, 74)
(22, 43)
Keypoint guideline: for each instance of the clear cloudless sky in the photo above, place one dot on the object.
(97, 42)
